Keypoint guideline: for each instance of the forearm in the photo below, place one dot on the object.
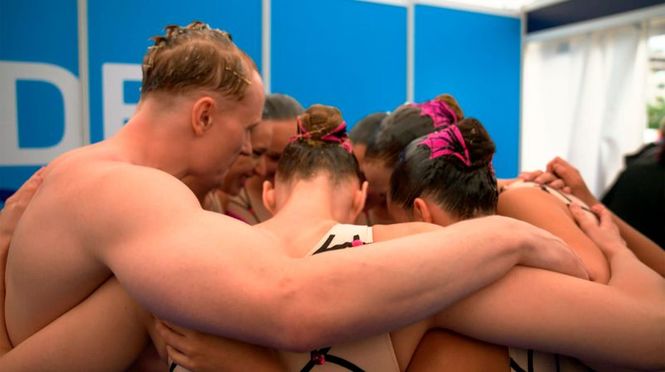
(367, 292)
(103, 333)
(644, 248)
(560, 314)
(631, 275)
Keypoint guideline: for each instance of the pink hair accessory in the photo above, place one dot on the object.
(448, 142)
(442, 115)
(337, 135)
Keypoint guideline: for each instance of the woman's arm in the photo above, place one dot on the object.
(644, 248)
(106, 332)
(196, 351)
(628, 273)
(612, 324)
(544, 210)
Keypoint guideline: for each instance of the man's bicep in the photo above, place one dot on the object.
(198, 269)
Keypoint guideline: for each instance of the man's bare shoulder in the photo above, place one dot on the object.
(100, 190)
(104, 175)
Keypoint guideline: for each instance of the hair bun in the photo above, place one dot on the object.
(320, 120)
(452, 103)
(478, 141)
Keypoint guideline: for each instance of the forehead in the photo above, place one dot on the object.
(378, 175)
(261, 135)
(282, 131)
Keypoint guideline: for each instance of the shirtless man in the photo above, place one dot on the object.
(118, 207)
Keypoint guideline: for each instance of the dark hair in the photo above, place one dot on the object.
(365, 130)
(281, 107)
(463, 190)
(196, 56)
(321, 144)
(403, 126)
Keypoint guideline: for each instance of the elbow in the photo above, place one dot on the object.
(299, 317)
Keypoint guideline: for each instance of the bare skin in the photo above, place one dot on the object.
(167, 252)
(560, 172)
(66, 331)
(9, 217)
(511, 310)
(244, 350)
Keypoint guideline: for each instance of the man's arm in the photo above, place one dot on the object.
(204, 271)
(9, 217)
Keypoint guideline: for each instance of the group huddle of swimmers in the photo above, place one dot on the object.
(224, 230)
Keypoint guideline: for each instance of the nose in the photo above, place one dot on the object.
(260, 166)
(246, 148)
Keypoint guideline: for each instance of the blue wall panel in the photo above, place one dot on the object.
(475, 57)
(44, 32)
(345, 53)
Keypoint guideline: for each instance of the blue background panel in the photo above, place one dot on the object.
(43, 31)
(476, 58)
(40, 31)
(345, 53)
(120, 31)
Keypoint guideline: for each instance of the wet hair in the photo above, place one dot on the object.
(463, 189)
(194, 57)
(281, 107)
(404, 125)
(321, 145)
(365, 130)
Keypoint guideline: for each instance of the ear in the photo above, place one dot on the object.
(202, 114)
(269, 197)
(359, 200)
(421, 211)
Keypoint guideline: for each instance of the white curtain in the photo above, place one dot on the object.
(584, 99)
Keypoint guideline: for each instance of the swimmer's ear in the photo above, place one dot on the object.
(202, 113)
(421, 211)
(359, 200)
(269, 197)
